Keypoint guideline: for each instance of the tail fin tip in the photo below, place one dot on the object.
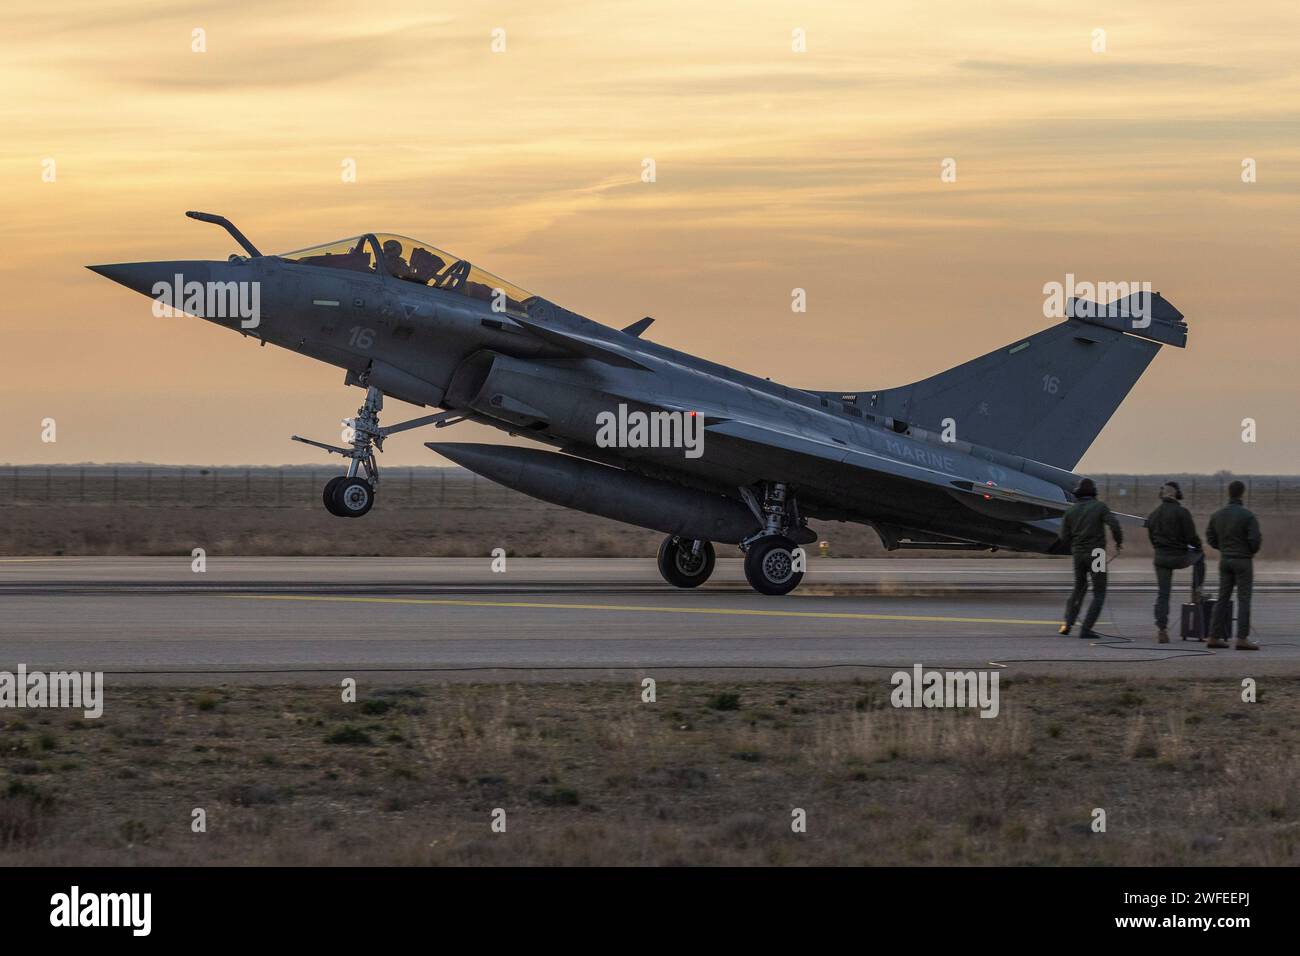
(1148, 315)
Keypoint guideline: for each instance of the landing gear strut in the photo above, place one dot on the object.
(352, 495)
(773, 561)
(686, 563)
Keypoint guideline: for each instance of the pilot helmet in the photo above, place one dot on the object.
(392, 248)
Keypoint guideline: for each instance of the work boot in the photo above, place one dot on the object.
(1216, 642)
(1064, 630)
(1088, 635)
(1246, 644)
(1162, 637)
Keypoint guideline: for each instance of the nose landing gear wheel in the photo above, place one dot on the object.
(353, 497)
(328, 495)
(682, 565)
(350, 495)
(769, 565)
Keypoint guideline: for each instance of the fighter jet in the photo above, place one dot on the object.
(975, 458)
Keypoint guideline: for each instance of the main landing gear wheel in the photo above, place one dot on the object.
(769, 565)
(682, 564)
(352, 497)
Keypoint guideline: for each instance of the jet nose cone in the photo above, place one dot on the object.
(143, 277)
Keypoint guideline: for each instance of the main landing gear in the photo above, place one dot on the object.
(774, 562)
(353, 495)
(686, 563)
(772, 565)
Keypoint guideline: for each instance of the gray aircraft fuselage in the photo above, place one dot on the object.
(546, 374)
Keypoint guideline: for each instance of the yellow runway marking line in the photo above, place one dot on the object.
(551, 606)
(26, 560)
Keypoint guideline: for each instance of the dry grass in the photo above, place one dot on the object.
(523, 528)
(588, 774)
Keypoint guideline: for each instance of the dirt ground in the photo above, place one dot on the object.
(523, 527)
(1186, 772)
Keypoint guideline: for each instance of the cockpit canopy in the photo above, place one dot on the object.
(413, 261)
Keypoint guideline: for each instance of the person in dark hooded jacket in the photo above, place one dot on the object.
(1176, 546)
(1083, 531)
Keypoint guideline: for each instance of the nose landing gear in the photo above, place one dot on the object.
(348, 497)
(353, 495)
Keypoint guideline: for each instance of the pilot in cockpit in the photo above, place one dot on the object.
(393, 260)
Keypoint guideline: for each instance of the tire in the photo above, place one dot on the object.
(680, 568)
(353, 497)
(769, 565)
(328, 495)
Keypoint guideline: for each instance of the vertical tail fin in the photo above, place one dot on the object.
(1048, 396)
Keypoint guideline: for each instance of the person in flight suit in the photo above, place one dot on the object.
(1083, 531)
(1234, 532)
(393, 259)
(1176, 546)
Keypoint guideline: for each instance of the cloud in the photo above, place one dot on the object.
(1102, 69)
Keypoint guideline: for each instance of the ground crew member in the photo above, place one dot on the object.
(1176, 545)
(1234, 532)
(1083, 531)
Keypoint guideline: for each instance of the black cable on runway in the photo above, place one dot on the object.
(1117, 642)
(455, 669)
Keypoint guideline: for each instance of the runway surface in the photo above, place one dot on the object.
(277, 619)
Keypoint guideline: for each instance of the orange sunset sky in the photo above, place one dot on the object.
(775, 169)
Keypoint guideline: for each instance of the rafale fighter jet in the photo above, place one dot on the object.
(974, 458)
